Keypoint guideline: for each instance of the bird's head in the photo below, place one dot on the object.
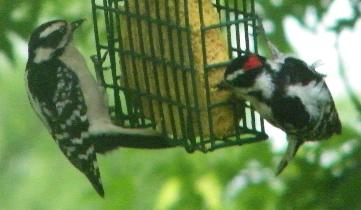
(50, 39)
(242, 72)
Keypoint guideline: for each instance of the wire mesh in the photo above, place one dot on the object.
(145, 59)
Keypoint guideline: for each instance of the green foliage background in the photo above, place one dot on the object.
(35, 175)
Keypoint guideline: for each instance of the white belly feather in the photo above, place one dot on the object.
(95, 97)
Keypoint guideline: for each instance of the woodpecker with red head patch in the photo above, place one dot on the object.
(286, 92)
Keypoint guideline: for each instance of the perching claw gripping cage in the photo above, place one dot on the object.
(161, 59)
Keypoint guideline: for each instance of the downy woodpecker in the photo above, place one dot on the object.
(286, 92)
(70, 103)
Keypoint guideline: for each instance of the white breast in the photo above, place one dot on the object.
(264, 83)
(94, 95)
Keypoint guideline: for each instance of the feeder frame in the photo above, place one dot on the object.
(238, 21)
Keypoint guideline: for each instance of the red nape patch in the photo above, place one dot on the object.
(252, 62)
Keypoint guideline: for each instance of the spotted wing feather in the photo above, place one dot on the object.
(64, 111)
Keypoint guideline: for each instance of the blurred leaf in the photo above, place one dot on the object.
(6, 46)
(17, 17)
(342, 24)
(277, 12)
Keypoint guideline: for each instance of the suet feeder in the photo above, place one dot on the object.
(160, 60)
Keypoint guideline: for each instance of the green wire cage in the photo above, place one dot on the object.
(160, 59)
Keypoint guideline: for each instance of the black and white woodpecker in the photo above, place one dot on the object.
(286, 92)
(69, 101)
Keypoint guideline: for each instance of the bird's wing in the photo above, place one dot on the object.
(299, 72)
(62, 102)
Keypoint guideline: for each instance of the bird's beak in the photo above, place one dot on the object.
(223, 85)
(76, 24)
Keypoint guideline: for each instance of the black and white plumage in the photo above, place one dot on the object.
(289, 94)
(69, 101)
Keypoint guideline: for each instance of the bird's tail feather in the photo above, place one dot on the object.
(96, 183)
(107, 141)
(292, 147)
